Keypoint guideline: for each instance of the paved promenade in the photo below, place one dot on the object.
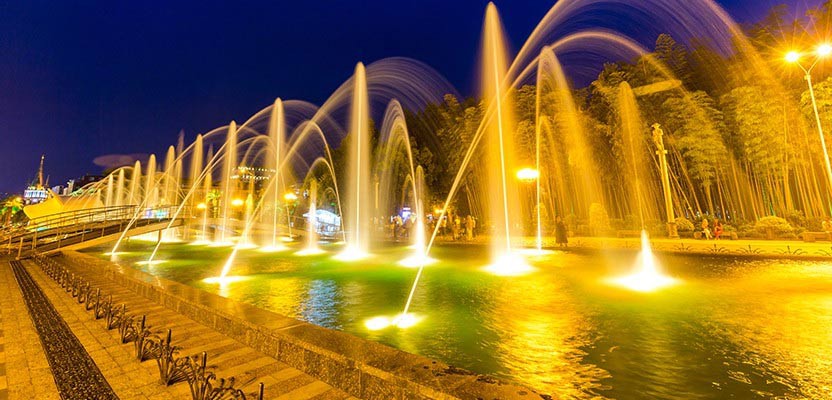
(25, 372)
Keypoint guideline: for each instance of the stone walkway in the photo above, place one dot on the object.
(76, 374)
(133, 380)
(27, 373)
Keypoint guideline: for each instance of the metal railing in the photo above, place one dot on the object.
(67, 228)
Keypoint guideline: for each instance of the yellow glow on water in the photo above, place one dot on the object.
(401, 321)
(532, 252)
(310, 252)
(201, 242)
(221, 244)
(647, 276)
(377, 323)
(417, 260)
(273, 249)
(223, 280)
(511, 264)
(287, 239)
(351, 254)
(404, 321)
(116, 253)
(245, 246)
(154, 262)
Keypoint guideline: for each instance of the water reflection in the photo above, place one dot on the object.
(735, 329)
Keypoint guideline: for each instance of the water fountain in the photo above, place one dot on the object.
(358, 213)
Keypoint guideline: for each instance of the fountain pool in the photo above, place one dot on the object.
(733, 327)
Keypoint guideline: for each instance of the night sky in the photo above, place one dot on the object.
(83, 79)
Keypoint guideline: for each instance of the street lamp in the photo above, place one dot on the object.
(290, 197)
(793, 57)
(529, 175)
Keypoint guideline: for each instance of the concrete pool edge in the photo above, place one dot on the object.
(358, 366)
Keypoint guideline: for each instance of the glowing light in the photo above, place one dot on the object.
(533, 252)
(116, 253)
(437, 211)
(290, 196)
(201, 206)
(351, 254)
(201, 242)
(404, 321)
(647, 277)
(401, 321)
(417, 260)
(154, 262)
(528, 174)
(377, 323)
(273, 249)
(511, 264)
(792, 56)
(237, 202)
(245, 246)
(310, 252)
(287, 239)
(824, 50)
(223, 280)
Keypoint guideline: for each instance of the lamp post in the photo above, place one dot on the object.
(289, 197)
(658, 138)
(529, 175)
(793, 57)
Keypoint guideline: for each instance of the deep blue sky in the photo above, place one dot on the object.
(83, 79)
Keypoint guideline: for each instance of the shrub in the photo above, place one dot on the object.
(684, 225)
(599, 220)
(779, 226)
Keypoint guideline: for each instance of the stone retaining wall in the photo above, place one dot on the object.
(360, 367)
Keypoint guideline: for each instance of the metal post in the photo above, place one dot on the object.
(658, 138)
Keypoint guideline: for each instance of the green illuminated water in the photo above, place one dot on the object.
(734, 328)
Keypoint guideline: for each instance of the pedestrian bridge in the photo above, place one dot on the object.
(75, 230)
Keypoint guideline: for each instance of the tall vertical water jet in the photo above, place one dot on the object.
(119, 195)
(277, 134)
(358, 201)
(207, 183)
(108, 197)
(312, 221)
(647, 275)
(136, 184)
(229, 166)
(503, 204)
(150, 194)
(419, 257)
(170, 184)
(195, 172)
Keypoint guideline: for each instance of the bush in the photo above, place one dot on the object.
(684, 225)
(599, 220)
(796, 219)
(776, 225)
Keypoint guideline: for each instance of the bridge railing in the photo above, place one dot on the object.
(82, 224)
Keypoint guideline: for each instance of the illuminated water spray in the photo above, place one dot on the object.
(358, 174)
